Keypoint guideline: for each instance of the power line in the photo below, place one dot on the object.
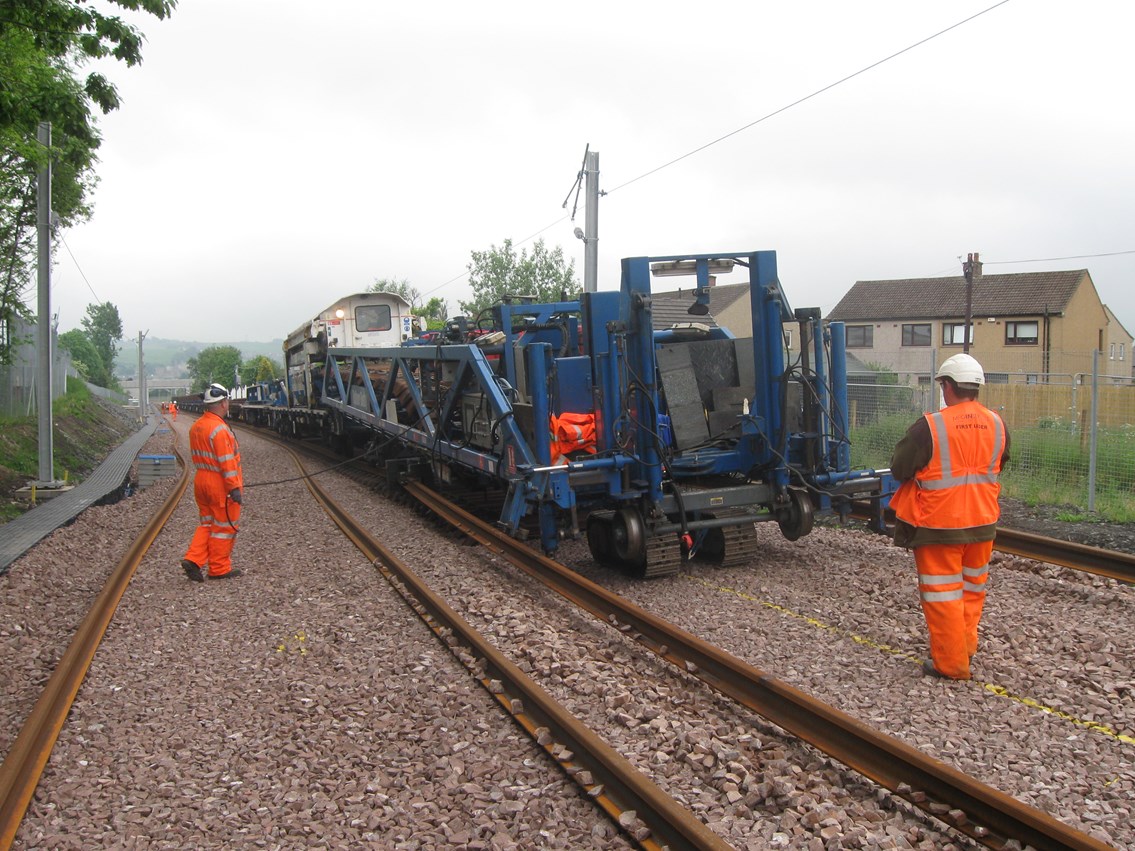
(754, 123)
(520, 242)
(80, 268)
(805, 98)
(1053, 259)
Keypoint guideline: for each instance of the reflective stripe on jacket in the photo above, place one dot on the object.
(959, 487)
(213, 449)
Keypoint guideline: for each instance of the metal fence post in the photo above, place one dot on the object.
(1094, 425)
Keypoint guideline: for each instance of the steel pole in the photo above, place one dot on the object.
(43, 319)
(591, 225)
(141, 382)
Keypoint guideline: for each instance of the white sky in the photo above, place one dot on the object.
(273, 155)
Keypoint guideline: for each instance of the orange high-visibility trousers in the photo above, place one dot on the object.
(951, 585)
(212, 542)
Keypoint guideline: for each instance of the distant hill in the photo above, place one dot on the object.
(170, 355)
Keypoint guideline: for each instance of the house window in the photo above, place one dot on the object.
(1121, 351)
(996, 378)
(1021, 333)
(1111, 351)
(916, 335)
(860, 336)
(954, 333)
(788, 339)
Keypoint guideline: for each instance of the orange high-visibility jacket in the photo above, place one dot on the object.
(214, 450)
(572, 433)
(959, 488)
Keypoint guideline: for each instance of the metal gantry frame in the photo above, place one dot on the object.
(599, 355)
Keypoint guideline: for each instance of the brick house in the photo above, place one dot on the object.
(1031, 327)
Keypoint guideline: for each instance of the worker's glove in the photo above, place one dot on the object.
(234, 495)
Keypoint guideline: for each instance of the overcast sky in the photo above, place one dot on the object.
(273, 155)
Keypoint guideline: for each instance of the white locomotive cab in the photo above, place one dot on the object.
(363, 320)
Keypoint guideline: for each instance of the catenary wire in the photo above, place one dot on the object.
(1053, 259)
(80, 268)
(751, 124)
(806, 97)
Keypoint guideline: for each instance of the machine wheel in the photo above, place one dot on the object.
(628, 538)
(796, 519)
(599, 537)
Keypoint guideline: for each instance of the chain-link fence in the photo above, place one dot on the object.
(18, 381)
(1073, 432)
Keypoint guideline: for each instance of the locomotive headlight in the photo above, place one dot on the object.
(340, 313)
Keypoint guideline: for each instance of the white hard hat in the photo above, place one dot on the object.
(964, 369)
(214, 393)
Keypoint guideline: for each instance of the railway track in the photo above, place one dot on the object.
(983, 813)
(628, 797)
(616, 786)
(979, 811)
(25, 761)
(560, 739)
(1081, 557)
(1109, 563)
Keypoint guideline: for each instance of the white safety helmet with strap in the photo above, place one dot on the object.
(964, 369)
(214, 393)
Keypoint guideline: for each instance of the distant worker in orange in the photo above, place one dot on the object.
(217, 489)
(946, 510)
(173, 410)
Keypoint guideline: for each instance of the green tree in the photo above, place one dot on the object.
(435, 312)
(84, 356)
(500, 272)
(260, 368)
(216, 364)
(43, 44)
(103, 327)
(398, 287)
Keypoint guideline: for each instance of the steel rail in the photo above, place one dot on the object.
(987, 815)
(619, 787)
(1109, 563)
(1088, 559)
(24, 764)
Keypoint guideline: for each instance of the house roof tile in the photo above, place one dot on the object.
(670, 307)
(1021, 294)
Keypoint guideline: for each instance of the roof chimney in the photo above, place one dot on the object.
(975, 265)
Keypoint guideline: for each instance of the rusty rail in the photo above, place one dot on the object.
(961, 802)
(24, 764)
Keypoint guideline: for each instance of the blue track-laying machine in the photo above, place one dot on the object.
(658, 445)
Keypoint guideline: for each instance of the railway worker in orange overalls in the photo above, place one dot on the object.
(946, 510)
(173, 410)
(217, 489)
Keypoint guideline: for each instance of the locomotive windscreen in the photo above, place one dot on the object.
(372, 317)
